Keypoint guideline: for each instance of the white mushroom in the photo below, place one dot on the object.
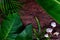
(53, 24)
(56, 33)
(49, 30)
(46, 35)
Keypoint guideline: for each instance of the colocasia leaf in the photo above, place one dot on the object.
(9, 26)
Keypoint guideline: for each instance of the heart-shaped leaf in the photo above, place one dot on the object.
(26, 34)
(52, 7)
(10, 25)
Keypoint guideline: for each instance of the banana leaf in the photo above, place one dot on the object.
(52, 7)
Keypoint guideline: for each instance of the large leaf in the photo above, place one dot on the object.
(26, 34)
(52, 7)
(9, 26)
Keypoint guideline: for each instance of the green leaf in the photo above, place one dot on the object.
(11, 37)
(38, 24)
(52, 7)
(9, 6)
(26, 34)
(10, 25)
(36, 34)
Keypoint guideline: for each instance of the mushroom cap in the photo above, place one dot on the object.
(53, 24)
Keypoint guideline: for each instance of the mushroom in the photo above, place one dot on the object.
(53, 24)
(46, 35)
(49, 30)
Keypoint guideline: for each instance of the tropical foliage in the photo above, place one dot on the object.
(52, 7)
(12, 27)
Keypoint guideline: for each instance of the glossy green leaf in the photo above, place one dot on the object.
(10, 25)
(52, 7)
(26, 34)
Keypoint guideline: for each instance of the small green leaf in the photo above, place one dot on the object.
(26, 34)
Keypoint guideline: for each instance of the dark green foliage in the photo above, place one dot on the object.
(26, 34)
(40, 35)
(11, 26)
(10, 6)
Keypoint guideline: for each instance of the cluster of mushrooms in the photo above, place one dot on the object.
(50, 30)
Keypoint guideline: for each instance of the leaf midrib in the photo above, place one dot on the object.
(9, 29)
